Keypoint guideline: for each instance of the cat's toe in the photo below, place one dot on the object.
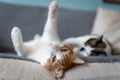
(53, 7)
(15, 30)
(53, 4)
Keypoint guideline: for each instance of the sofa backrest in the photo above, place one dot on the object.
(31, 20)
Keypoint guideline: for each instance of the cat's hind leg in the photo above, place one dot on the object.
(50, 29)
(17, 41)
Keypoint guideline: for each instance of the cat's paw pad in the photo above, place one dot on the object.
(53, 7)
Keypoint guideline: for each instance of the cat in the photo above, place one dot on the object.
(90, 45)
(47, 49)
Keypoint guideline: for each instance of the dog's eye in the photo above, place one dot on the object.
(82, 49)
(64, 50)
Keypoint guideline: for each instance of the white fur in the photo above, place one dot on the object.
(38, 48)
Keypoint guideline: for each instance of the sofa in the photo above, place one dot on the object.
(71, 23)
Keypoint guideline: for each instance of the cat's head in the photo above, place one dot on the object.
(62, 58)
(90, 45)
(94, 47)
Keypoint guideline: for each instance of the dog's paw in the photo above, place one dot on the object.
(53, 8)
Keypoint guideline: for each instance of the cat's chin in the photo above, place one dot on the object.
(58, 74)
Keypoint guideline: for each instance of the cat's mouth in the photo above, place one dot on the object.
(55, 50)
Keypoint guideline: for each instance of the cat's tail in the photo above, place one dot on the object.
(17, 41)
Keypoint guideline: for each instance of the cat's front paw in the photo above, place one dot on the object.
(53, 8)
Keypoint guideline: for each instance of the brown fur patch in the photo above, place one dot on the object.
(93, 43)
(61, 65)
(53, 64)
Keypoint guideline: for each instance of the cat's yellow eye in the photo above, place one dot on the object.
(64, 50)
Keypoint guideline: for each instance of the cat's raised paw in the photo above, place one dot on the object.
(15, 30)
(53, 8)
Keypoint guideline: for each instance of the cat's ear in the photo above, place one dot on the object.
(100, 39)
(58, 73)
(78, 61)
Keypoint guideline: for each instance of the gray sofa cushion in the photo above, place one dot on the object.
(31, 20)
(91, 59)
(17, 68)
(94, 71)
(11, 69)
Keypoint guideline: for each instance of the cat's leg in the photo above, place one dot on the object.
(50, 29)
(17, 41)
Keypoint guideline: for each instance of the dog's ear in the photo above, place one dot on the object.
(99, 40)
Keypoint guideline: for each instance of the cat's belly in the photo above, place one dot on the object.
(35, 56)
(41, 57)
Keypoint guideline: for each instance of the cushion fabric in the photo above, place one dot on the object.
(94, 71)
(17, 68)
(13, 69)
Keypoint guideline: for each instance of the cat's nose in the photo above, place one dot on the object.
(53, 46)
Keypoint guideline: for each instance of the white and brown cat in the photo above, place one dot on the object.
(47, 49)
